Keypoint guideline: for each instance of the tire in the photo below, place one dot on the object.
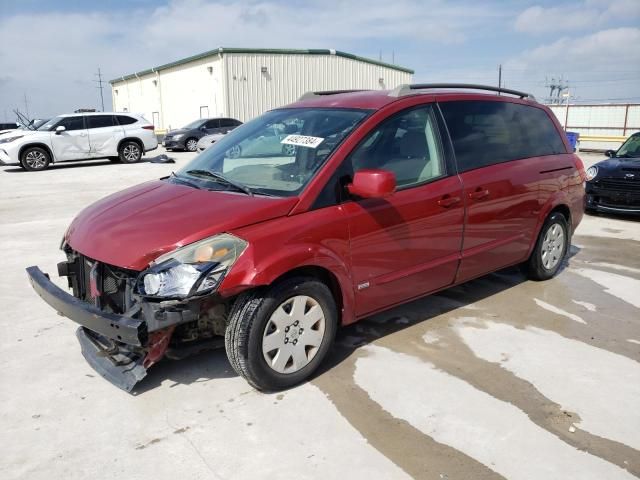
(191, 144)
(35, 159)
(551, 248)
(253, 318)
(234, 152)
(129, 152)
(288, 150)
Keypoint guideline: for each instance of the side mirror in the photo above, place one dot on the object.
(60, 129)
(372, 183)
(610, 153)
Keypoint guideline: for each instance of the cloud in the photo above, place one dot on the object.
(588, 14)
(597, 64)
(53, 56)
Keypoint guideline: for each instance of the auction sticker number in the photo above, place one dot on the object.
(302, 141)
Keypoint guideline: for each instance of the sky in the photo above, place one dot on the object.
(50, 51)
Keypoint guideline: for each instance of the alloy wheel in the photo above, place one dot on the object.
(192, 145)
(293, 334)
(35, 160)
(131, 152)
(553, 246)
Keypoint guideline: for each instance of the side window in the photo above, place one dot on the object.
(212, 124)
(406, 144)
(227, 122)
(125, 120)
(100, 121)
(489, 132)
(72, 123)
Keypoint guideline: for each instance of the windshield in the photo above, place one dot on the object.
(278, 152)
(195, 124)
(48, 125)
(630, 148)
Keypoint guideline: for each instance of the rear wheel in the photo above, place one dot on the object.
(191, 144)
(551, 248)
(130, 152)
(34, 159)
(276, 338)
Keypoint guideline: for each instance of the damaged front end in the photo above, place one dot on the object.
(124, 328)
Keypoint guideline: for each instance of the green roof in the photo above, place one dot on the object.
(281, 51)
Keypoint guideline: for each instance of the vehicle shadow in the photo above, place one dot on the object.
(213, 364)
(83, 164)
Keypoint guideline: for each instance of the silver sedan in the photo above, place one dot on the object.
(206, 141)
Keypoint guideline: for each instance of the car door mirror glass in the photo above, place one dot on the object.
(372, 183)
(60, 129)
(610, 153)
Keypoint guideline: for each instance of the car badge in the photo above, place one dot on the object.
(629, 175)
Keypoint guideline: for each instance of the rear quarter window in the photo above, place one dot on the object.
(488, 132)
(125, 119)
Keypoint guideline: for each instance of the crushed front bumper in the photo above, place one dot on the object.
(126, 330)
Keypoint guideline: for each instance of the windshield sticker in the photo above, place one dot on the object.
(302, 141)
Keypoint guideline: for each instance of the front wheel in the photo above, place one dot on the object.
(276, 338)
(191, 145)
(130, 152)
(551, 248)
(35, 159)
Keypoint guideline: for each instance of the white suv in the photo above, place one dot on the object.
(122, 137)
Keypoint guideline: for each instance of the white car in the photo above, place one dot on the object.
(208, 140)
(123, 137)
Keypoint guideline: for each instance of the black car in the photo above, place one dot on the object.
(186, 138)
(613, 185)
(9, 126)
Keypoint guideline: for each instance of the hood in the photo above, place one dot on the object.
(618, 163)
(178, 131)
(131, 228)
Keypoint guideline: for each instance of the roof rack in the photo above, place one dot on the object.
(402, 90)
(308, 95)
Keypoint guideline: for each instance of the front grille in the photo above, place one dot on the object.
(619, 184)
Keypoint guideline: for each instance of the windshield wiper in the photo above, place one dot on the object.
(185, 181)
(221, 178)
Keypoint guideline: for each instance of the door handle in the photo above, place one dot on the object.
(448, 201)
(479, 194)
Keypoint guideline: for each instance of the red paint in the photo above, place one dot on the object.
(371, 183)
(379, 251)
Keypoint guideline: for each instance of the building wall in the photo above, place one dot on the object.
(234, 85)
(251, 91)
(179, 95)
(601, 127)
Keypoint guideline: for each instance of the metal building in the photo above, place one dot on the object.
(243, 83)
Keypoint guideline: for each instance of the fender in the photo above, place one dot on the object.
(559, 198)
(245, 274)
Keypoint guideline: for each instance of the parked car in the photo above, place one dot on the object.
(8, 126)
(33, 125)
(390, 196)
(613, 185)
(122, 137)
(266, 143)
(208, 140)
(186, 138)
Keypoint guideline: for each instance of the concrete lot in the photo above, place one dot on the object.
(497, 378)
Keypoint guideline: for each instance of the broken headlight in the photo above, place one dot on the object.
(194, 269)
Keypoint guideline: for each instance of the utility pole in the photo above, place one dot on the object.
(499, 77)
(100, 82)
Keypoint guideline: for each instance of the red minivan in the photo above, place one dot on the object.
(313, 216)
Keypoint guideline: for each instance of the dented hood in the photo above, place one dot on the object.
(131, 228)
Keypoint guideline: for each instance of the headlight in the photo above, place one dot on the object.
(592, 172)
(177, 137)
(197, 268)
(10, 139)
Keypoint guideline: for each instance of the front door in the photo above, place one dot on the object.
(73, 142)
(408, 244)
(104, 135)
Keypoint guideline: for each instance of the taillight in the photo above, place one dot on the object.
(149, 127)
